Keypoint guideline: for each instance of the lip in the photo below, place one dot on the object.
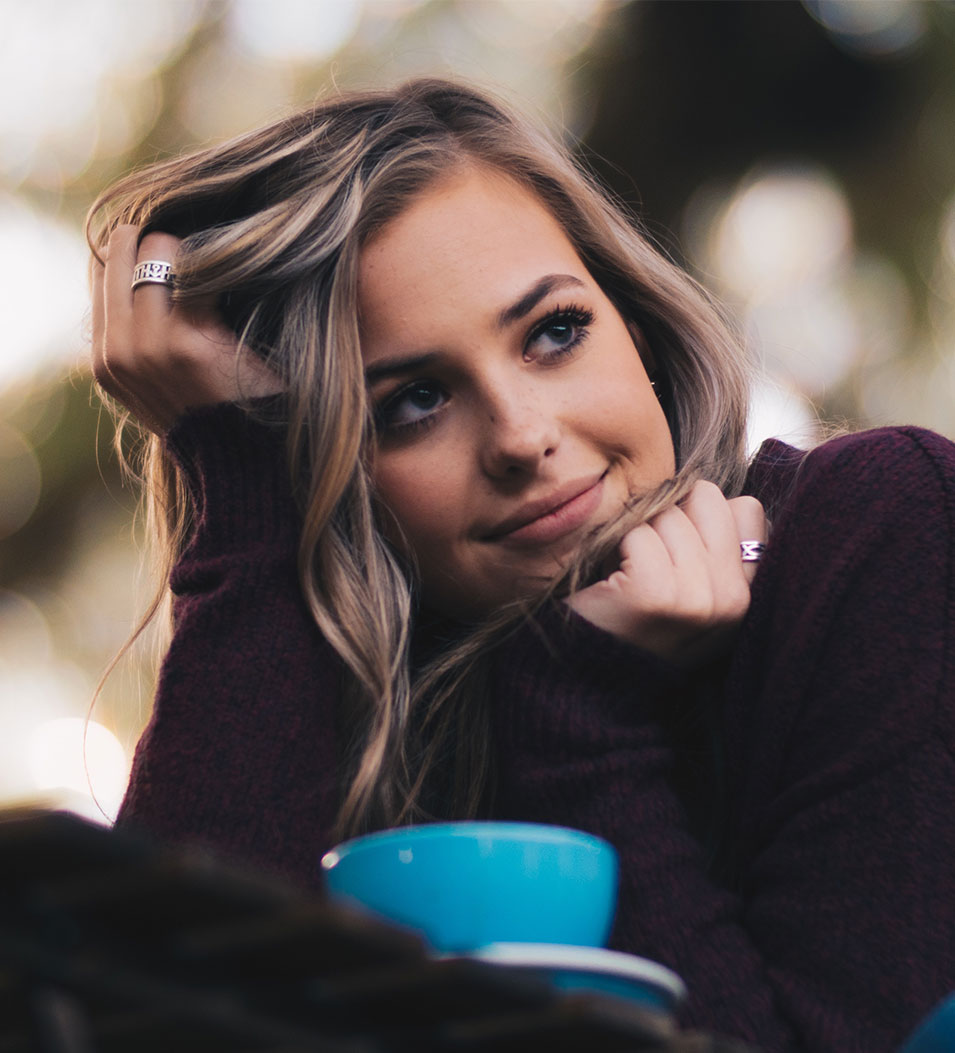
(551, 518)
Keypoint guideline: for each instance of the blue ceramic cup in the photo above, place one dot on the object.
(936, 1033)
(465, 885)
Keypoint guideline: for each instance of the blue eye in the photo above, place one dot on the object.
(559, 333)
(411, 406)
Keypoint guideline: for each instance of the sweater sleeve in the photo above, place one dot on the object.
(838, 932)
(239, 754)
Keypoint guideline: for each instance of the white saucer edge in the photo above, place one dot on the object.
(580, 959)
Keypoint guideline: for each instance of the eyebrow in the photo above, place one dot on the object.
(548, 284)
(508, 316)
(394, 367)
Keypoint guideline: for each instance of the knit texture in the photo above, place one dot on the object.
(831, 925)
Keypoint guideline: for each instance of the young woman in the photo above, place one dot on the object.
(447, 469)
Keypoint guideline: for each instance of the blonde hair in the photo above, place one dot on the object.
(272, 225)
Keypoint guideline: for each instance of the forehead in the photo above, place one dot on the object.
(471, 240)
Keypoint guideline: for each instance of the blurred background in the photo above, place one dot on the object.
(798, 157)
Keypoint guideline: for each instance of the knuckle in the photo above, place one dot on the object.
(750, 515)
(107, 383)
(735, 602)
(707, 489)
(630, 540)
(705, 504)
(155, 360)
(697, 608)
(159, 245)
(703, 495)
(750, 506)
(101, 373)
(116, 367)
(653, 604)
(177, 355)
(130, 357)
(121, 238)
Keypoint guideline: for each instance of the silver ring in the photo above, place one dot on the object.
(153, 272)
(751, 551)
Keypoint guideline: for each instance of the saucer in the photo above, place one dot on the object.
(591, 969)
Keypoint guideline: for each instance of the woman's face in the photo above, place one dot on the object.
(515, 414)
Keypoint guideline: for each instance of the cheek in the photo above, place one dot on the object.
(624, 414)
(615, 400)
(421, 498)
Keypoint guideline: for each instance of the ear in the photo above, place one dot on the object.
(643, 348)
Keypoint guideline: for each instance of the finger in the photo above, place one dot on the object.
(118, 298)
(710, 513)
(692, 578)
(116, 346)
(152, 302)
(642, 582)
(654, 566)
(645, 557)
(680, 537)
(708, 510)
(97, 310)
(112, 305)
(751, 525)
(101, 373)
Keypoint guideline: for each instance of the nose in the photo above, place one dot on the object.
(520, 433)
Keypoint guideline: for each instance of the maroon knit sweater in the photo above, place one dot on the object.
(831, 926)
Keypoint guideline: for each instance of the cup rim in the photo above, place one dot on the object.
(470, 829)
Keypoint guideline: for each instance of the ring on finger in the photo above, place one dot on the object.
(751, 550)
(153, 272)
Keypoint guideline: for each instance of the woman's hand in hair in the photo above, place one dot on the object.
(158, 358)
(681, 589)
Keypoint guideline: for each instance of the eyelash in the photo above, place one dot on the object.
(578, 318)
(382, 425)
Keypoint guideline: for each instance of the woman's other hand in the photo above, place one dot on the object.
(682, 588)
(158, 358)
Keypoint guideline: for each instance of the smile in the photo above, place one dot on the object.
(542, 522)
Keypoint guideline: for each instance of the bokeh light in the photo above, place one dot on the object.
(42, 290)
(819, 314)
(781, 228)
(81, 758)
(873, 27)
(293, 30)
(20, 480)
(777, 412)
(74, 70)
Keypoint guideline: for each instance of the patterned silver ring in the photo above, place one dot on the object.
(153, 272)
(751, 551)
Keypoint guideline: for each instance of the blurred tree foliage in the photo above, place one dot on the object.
(694, 90)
